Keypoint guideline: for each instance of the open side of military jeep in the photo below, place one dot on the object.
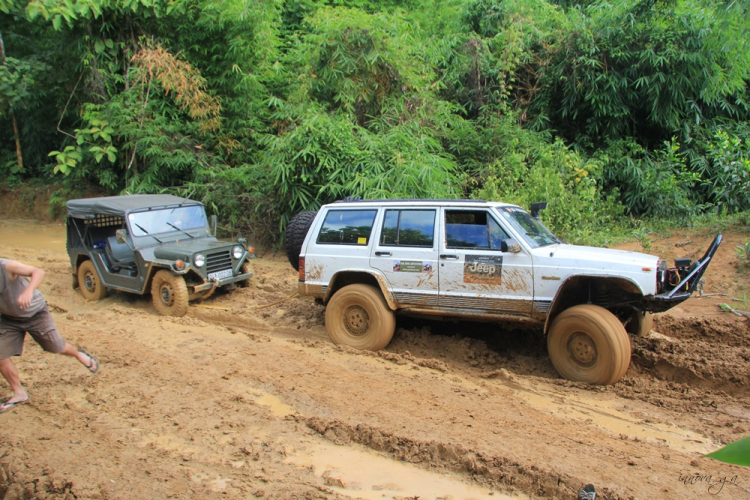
(157, 243)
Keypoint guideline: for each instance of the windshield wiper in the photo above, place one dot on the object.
(154, 237)
(180, 229)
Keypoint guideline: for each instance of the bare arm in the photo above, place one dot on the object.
(34, 274)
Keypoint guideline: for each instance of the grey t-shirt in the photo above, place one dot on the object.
(10, 290)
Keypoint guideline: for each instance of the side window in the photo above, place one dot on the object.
(472, 229)
(497, 234)
(412, 228)
(347, 227)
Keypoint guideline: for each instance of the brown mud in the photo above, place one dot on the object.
(238, 400)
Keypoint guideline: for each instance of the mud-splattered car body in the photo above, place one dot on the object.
(446, 270)
(481, 260)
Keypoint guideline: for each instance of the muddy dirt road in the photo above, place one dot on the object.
(234, 401)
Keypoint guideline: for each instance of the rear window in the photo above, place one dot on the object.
(347, 227)
(413, 228)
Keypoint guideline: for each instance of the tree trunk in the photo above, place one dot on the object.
(16, 135)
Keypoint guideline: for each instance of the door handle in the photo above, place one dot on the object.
(444, 256)
(382, 254)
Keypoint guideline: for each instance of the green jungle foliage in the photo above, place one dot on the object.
(606, 109)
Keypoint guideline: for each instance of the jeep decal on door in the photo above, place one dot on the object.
(483, 269)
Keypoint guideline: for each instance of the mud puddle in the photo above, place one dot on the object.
(359, 472)
(606, 416)
(273, 403)
(27, 234)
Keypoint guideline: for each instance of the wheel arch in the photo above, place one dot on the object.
(152, 269)
(80, 259)
(606, 291)
(344, 278)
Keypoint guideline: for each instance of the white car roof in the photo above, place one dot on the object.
(420, 202)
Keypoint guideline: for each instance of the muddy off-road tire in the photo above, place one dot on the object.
(296, 232)
(640, 324)
(358, 316)
(587, 343)
(169, 294)
(246, 268)
(90, 283)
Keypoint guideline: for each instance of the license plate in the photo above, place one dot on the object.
(220, 275)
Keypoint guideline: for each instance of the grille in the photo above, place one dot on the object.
(219, 261)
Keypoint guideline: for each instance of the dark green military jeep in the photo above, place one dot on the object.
(158, 243)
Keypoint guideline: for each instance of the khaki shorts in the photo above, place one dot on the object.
(41, 327)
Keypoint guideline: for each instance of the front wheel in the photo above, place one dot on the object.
(169, 294)
(246, 268)
(358, 316)
(90, 283)
(587, 343)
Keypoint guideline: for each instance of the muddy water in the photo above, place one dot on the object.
(26, 234)
(604, 415)
(273, 403)
(359, 472)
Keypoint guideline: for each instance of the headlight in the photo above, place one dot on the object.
(199, 260)
(237, 252)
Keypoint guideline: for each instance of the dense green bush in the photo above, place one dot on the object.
(576, 206)
(263, 109)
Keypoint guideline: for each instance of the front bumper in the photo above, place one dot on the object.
(680, 293)
(208, 285)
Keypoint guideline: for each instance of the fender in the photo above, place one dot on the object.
(631, 286)
(376, 278)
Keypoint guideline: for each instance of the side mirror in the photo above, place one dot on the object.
(510, 245)
(121, 235)
(214, 223)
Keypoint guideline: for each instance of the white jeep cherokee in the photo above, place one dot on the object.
(370, 259)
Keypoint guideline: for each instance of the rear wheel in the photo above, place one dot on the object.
(295, 235)
(587, 343)
(358, 316)
(169, 294)
(90, 283)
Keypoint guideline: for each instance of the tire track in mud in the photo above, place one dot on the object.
(495, 472)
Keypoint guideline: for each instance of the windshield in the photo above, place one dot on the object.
(532, 231)
(168, 220)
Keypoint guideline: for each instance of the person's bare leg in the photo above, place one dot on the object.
(10, 373)
(75, 353)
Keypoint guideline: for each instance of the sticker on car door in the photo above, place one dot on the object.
(483, 269)
(411, 266)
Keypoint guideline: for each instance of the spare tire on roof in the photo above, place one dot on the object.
(296, 232)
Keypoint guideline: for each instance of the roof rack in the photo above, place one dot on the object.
(358, 200)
